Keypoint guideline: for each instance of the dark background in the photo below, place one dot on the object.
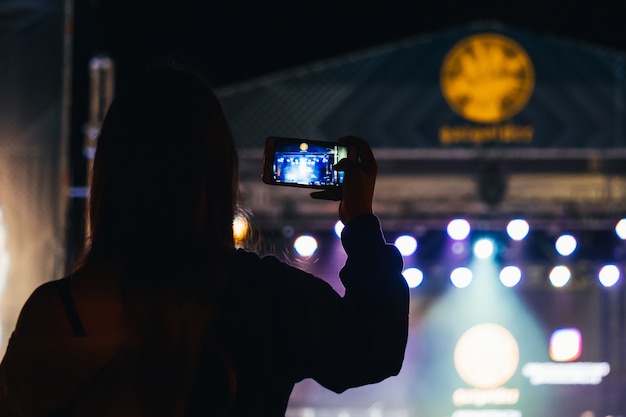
(235, 41)
(232, 41)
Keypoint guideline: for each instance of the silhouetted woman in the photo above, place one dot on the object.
(163, 316)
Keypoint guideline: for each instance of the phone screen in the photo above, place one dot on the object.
(306, 163)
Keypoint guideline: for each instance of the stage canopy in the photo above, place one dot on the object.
(484, 120)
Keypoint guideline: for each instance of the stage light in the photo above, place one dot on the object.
(413, 276)
(565, 345)
(620, 229)
(5, 259)
(241, 229)
(608, 275)
(560, 276)
(483, 248)
(510, 276)
(461, 277)
(517, 229)
(288, 231)
(485, 303)
(305, 245)
(458, 248)
(458, 229)
(565, 245)
(339, 228)
(407, 245)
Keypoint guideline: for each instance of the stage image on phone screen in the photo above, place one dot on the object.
(307, 163)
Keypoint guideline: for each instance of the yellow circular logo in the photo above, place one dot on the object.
(486, 356)
(487, 78)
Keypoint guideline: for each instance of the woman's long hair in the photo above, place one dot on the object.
(165, 171)
(162, 201)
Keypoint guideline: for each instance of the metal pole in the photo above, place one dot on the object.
(101, 90)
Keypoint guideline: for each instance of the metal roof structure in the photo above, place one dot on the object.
(558, 158)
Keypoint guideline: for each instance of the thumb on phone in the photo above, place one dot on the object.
(333, 195)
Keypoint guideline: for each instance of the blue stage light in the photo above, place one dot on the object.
(565, 245)
(510, 276)
(620, 229)
(413, 276)
(609, 275)
(461, 277)
(305, 245)
(407, 245)
(560, 276)
(517, 229)
(484, 248)
(458, 229)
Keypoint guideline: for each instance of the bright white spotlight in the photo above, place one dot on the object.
(608, 275)
(339, 228)
(458, 229)
(413, 277)
(483, 248)
(510, 276)
(517, 229)
(461, 277)
(407, 245)
(565, 245)
(305, 245)
(620, 229)
(566, 345)
(560, 276)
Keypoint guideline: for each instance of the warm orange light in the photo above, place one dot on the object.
(487, 78)
(241, 229)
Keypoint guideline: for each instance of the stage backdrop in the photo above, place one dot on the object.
(484, 84)
(486, 350)
(31, 152)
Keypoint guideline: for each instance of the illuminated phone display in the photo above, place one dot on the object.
(303, 163)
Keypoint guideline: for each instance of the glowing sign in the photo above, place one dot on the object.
(571, 373)
(487, 413)
(482, 397)
(486, 356)
(487, 78)
(565, 345)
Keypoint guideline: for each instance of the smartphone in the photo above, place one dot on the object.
(303, 162)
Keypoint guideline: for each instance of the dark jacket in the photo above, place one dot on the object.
(284, 325)
(277, 325)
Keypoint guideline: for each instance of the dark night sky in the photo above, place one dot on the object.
(234, 41)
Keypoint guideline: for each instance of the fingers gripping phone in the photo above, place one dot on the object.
(303, 163)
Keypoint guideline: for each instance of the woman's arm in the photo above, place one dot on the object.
(372, 321)
(348, 341)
